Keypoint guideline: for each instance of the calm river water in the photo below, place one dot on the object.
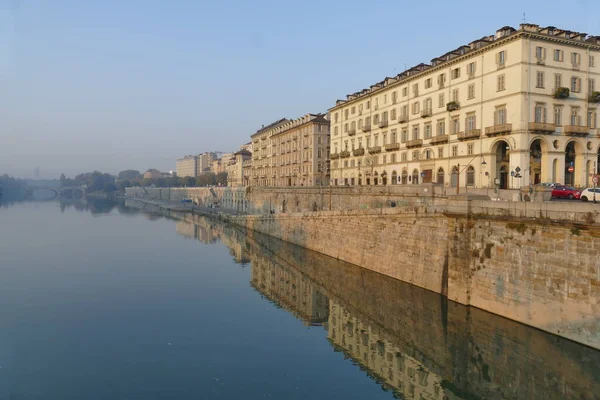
(106, 301)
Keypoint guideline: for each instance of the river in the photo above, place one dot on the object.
(103, 300)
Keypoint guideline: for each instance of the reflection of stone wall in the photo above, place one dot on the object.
(475, 354)
(186, 229)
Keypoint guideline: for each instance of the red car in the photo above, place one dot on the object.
(565, 192)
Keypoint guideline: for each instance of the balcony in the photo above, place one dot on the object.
(358, 152)
(366, 128)
(414, 143)
(542, 127)
(344, 154)
(351, 132)
(468, 135)
(426, 113)
(374, 149)
(392, 146)
(576, 130)
(403, 118)
(453, 106)
(439, 139)
(502, 129)
(334, 156)
(383, 123)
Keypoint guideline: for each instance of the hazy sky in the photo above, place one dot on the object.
(110, 85)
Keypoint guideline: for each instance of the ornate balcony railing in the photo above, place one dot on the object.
(414, 143)
(344, 154)
(502, 129)
(374, 149)
(576, 130)
(542, 127)
(426, 113)
(392, 146)
(351, 132)
(466, 135)
(366, 128)
(439, 139)
(403, 118)
(383, 123)
(358, 152)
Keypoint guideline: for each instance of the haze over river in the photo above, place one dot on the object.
(101, 300)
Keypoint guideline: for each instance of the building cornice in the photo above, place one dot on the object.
(521, 34)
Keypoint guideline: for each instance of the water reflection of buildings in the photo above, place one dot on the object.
(208, 232)
(382, 359)
(290, 290)
(408, 340)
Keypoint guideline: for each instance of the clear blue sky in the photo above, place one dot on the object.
(110, 85)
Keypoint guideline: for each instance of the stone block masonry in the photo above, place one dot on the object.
(541, 273)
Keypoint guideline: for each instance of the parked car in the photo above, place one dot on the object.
(565, 192)
(588, 194)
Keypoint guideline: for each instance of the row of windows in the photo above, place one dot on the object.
(541, 115)
(559, 56)
(415, 155)
(575, 83)
(441, 80)
(427, 109)
(470, 124)
(404, 179)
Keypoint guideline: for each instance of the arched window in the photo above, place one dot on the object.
(415, 177)
(404, 177)
(394, 178)
(470, 176)
(440, 176)
(454, 177)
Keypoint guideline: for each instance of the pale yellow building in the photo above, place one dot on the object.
(187, 166)
(507, 110)
(292, 153)
(239, 168)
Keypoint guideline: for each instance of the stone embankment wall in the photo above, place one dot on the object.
(262, 200)
(539, 272)
(479, 355)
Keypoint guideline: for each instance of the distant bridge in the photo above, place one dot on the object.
(58, 191)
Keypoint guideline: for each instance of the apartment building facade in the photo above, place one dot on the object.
(292, 152)
(510, 109)
(187, 166)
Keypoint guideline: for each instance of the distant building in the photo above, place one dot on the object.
(239, 168)
(205, 161)
(156, 174)
(187, 166)
(292, 153)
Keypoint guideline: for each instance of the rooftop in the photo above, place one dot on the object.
(504, 32)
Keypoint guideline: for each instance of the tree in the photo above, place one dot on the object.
(206, 179)
(222, 178)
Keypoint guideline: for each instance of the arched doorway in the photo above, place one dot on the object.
(503, 177)
(384, 178)
(394, 177)
(375, 178)
(535, 162)
(415, 177)
(501, 166)
(570, 157)
(454, 177)
(440, 176)
(404, 177)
